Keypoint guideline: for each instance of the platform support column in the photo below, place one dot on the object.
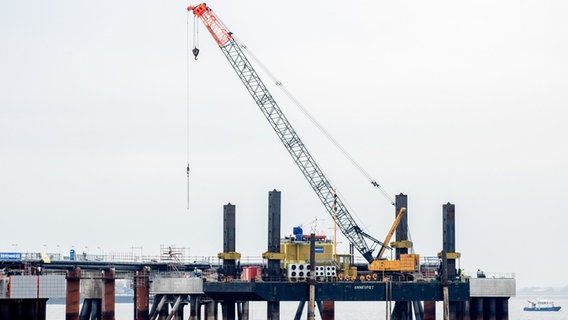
(85, 313)
(328, 310)
(211, 310)
(466, 313)
(179, 313)
(274, 201)
(159, 309)
(476, 308)
(418, 310)
(108, 294)
(91, 309)
(449, 238)
(194, 305)
(141, 295)
(489, 308)
(273, 310)
(455, 310)
(17, 310)
(429, 310)
(243, 310)
(273, 268)
(449, 271)
(165, 311)
(402, 311)
(312, 279)
(299, 310)
(401, 201)
(4, 309)
(228, 310)
(73, 297)
(503, 308)
(229, 243)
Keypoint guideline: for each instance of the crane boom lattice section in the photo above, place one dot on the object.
(290, 139)
(292, 142)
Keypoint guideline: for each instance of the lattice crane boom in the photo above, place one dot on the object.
(284, 130)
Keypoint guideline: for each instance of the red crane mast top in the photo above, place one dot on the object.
(215, 27)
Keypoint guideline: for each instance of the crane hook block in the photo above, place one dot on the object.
(195, 52)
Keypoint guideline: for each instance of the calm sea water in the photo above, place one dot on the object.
(344, 310)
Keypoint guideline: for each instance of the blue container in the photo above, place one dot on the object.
(298, 233)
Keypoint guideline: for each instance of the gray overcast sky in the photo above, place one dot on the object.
(446, 101)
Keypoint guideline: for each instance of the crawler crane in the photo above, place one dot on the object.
(234, 53)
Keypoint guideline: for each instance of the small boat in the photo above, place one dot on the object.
(541, 305)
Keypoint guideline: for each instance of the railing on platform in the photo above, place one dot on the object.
(491, 275)
(131, 257)
(176, 256)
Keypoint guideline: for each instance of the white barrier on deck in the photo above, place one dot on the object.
(176, 286)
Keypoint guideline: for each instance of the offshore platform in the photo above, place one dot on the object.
(301, 267)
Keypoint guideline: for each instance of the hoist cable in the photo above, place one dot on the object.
(317, 124)
(195, 32)
(187, 105)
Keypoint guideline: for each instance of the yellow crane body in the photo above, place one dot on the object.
(406, 263)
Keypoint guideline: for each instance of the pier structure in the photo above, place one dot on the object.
(88, 286)
(97, 289)
(25, 296)
(489, 298)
